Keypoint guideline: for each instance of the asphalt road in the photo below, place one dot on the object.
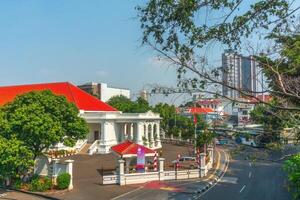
(245, 180)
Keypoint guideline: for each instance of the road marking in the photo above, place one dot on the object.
(250, 173)
(122, 195)
(242, 188)
(227, 179)
(250, 164)
(224, 172)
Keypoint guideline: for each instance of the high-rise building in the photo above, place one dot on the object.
(238, 72)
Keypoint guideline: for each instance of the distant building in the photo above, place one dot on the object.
(239, 72)
(103, 92)
(144, 94)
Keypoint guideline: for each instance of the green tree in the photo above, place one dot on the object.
(41, 119)
(121, 103)
(205, 138)
(15, 159)
(167, 113)
(292, 167)
(141, 106)
(124, 104)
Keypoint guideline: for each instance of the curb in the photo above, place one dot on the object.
(212, 182)
(34, 194)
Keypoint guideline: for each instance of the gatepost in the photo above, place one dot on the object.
(203, 168)
(210, 150)
(161, 168)
(69, 169)
(121, 172)
(54, 169)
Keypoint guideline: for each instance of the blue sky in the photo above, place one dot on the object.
(76, 41)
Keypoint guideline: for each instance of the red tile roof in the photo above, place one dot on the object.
(80, 98)
(196, 110)
(129, 148)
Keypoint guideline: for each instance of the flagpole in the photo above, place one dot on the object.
(195, 136)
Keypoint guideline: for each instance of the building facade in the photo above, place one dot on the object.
(107, 126)
(103, 92)
(239, 72)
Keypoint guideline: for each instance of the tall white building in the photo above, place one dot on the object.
(239, 72)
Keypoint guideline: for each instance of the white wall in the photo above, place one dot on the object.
(106, 92)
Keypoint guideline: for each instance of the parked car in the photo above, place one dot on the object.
(186, 162)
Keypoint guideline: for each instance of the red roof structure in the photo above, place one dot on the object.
(80, 98)
(129, 149)
(196, 110)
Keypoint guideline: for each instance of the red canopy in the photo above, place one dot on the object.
(129, 149)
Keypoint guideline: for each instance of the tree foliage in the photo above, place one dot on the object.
(15, 158)
(174, 123)
(179, 31)
(292, 167)
(41, 119)
(124, 104)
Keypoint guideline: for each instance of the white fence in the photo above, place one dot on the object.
(161, 175)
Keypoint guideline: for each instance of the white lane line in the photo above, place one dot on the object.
(250, 173)
(122, 195)
(250, 164)
(242, 188)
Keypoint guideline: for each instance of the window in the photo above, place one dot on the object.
(245, 112)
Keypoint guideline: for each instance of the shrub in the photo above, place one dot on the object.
(40, 184)
(63, 181)
(17, 184)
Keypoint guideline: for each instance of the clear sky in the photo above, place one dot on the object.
(77, 41)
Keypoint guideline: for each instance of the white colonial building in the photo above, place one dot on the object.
(107, 126)
(110, 128)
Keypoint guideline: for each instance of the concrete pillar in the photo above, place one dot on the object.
(121, 172)
(70, 171)
(158, 141)
(203, 168)
(161, 168)
(152, 144)
(55, 162)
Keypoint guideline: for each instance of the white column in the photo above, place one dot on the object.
(139, 136)
(131, 131)
(110, 135)
(152, 144)
(146, 135)
(70, 171)
(158, 141)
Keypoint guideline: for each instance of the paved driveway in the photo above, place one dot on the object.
(88, 175)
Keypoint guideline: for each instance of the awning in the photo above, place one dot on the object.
(129, 149)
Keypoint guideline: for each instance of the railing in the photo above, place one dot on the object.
(110, 179)
(94, 147)
(80, 144)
